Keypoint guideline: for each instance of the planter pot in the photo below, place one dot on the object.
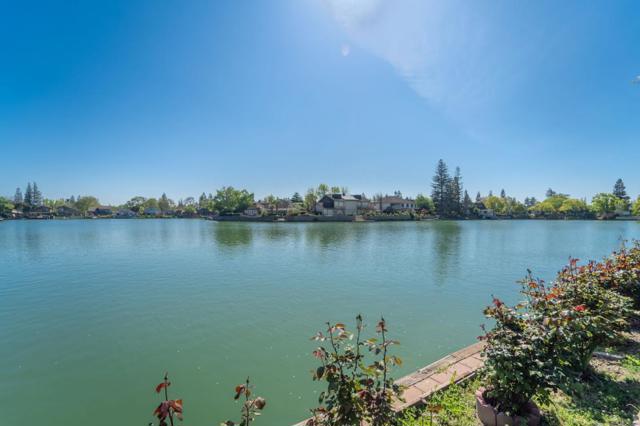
(489, 416)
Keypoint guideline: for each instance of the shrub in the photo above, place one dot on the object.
(620, 272)
(579, 313)
(355, 392)
(517, 362)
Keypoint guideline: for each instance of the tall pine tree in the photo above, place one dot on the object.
(440, 188)
(163, 203)
(467, 203)
(17, 198)
(28, 195)
(37, 199)
(455, 194)
(620, 191)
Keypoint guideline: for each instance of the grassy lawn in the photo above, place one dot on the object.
(610, 396)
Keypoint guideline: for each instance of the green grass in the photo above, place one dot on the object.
(632, 363)
(455, 406)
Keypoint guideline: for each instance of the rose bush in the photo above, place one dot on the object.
(517, 361)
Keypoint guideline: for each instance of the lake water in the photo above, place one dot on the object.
(93, 312)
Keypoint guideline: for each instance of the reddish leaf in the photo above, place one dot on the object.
(162, 386)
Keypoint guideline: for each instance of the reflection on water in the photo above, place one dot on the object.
(231, 234)
(333, 235)
(446, 247)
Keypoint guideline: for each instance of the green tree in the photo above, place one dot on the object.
(202, 201)
(150, 203)
(28, 195)
(229, 200)
(335, 190)
(550, 193)
(635, 210)
(497, 204)
(323, 189)
(310, 200)
(503, 194)
(440, 188)
(37, 196)
(623, 205)
(604, 203)
(425, 203)
(512, 207)
(86, 203)
(296, 198)
(455, 194)
(573, 207)
(5, 206)
(54, 204)
(136, 204)
(515, 207)
(467, 204)
(619, 190)
(272, 201)
(17, 198)
(551, 205)
(165, 203)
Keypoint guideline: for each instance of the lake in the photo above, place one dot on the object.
(93, 312)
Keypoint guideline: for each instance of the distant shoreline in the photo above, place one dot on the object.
(324, 219)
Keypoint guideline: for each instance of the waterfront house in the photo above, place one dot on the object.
(252, 211)
(283, 206)
(280, 207)
(152, 211)
(66, 211)
(622, 212)
(103, 211)
(37, 212)
(341, 204)
(390, 204)
(125, 214)
(203, 211)
(484, 212)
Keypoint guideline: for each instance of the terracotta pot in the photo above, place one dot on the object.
(489, 416)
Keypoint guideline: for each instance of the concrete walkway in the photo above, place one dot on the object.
(453, 368)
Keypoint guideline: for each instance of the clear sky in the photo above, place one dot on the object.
(120, 98)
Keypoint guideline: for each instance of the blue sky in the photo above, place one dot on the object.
(124, 98)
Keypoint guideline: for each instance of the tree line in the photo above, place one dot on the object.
(448, 199)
